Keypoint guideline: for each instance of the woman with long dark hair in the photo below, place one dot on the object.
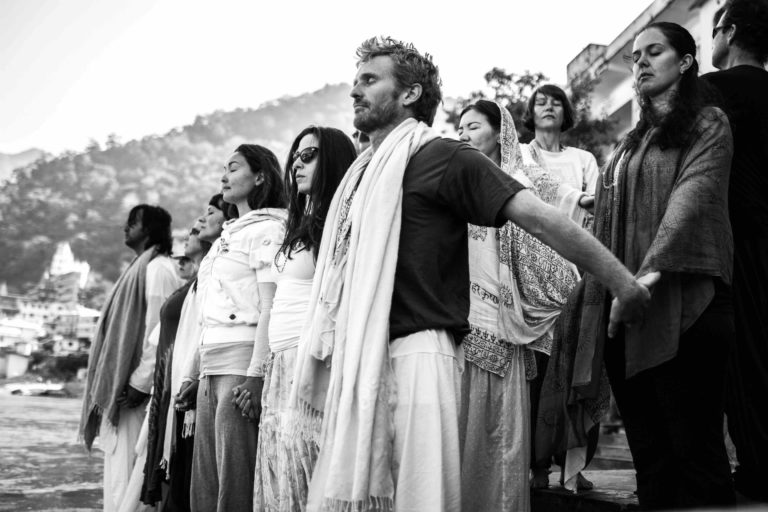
(661, 208)
(236, 290)
(317, 161)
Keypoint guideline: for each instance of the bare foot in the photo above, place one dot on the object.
(540, 478)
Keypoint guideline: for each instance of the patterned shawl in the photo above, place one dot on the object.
(358, 252)
(116, 348)
(568, 199)
(534, 281)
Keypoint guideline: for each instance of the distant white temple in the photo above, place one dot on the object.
(64, 262)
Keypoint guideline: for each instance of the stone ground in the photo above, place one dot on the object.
(42, 466)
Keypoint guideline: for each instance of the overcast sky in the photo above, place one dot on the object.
(75, 70)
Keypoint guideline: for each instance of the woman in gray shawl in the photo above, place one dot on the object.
(661, 208)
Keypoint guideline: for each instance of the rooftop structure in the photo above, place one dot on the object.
(611, 65)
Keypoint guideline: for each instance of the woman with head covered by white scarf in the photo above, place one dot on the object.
(517, 288)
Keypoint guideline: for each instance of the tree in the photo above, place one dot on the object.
(95, 292)
(593, 134)
(509, 89)
(84, 197)
(513, 91)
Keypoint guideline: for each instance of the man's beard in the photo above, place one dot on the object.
(376, 117)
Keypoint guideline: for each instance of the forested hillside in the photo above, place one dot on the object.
(84, 197)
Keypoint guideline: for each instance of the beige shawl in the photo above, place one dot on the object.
(343, 373)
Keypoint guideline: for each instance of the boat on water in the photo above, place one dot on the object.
(35, 389)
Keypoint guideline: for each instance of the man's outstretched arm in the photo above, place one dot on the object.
(557, 230)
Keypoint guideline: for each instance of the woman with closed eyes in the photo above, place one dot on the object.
(549, 114)
(662, 209)
(517, 287)
(235, 291)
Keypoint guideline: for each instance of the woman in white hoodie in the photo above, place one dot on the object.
(235, 293)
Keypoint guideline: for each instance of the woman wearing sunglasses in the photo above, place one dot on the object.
(235, 293)
(286, 454)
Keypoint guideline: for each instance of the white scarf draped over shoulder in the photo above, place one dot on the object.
(343, 375)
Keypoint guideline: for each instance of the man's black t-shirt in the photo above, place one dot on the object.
(447, 184)
(744, 90)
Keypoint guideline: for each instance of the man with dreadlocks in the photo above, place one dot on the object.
(122, 358)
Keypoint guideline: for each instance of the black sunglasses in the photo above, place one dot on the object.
(715, 30)
(306, 155)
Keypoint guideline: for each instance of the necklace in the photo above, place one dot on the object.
(280, 260)
(343, 232)
(615, 174)
(624, 155)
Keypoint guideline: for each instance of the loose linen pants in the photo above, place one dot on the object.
(224, 456)
(427, 368)
(119, 445)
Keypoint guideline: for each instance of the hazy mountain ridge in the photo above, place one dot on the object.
(84, 196)
(9, 162)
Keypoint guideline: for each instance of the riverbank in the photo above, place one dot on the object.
(42, 465)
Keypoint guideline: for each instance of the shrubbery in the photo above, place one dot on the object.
(60, 368)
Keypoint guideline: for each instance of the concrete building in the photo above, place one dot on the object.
(87, 320)
(69, 346)
(13, 364)
(44, 312)
(76, 324)
(611, 64)
(9, 305)
(15, 330)
(18, 339)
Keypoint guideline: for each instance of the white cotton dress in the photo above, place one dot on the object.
(285, 458)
